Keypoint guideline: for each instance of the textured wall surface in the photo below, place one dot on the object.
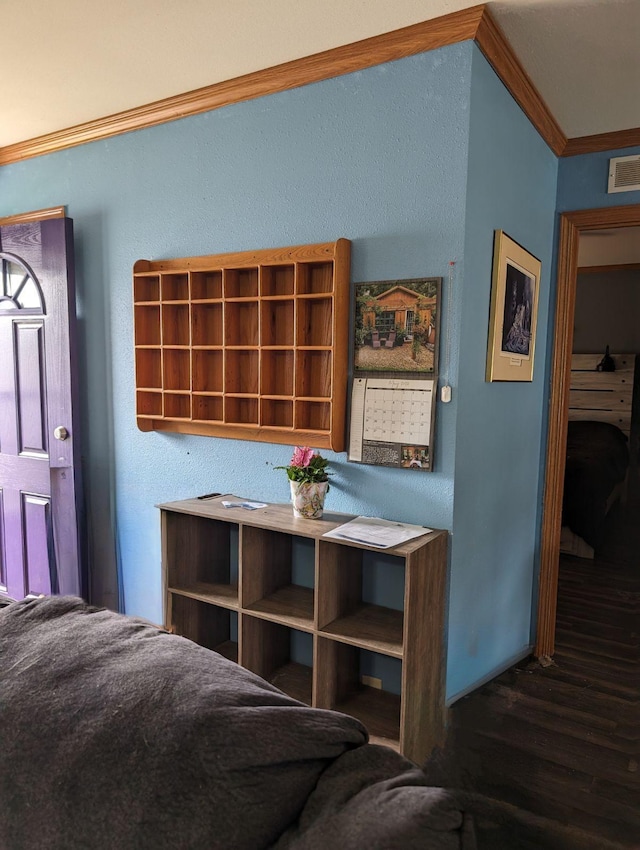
(379, 157)
(582, 182)
(511, 187)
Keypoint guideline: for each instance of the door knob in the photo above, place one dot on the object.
(60, 433)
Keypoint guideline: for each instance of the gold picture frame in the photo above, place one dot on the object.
(514, 311)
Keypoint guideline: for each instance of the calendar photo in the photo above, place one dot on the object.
(415, 457)
(396, 326)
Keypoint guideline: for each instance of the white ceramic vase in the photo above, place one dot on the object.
(308, 499)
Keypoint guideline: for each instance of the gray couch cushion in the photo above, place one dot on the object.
(114, 734)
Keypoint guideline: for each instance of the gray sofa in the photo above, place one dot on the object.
(115, 734)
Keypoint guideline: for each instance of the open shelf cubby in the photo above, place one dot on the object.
(176, 369)
(175, 324)
(335, 624)
(270, 587)
(206, 286)
(149, 368)
(202, 558)
(276, 322)
(206, 324)
(147, 324)
(241, 323)
(177, 405)
(277, 280)
(149, 403)
(271, 324)
(208, 408)
(240, 410)
(210, 626)
(314, 278)
(276, 413)
(240, 282)
(146, 288)
(312, 416)
(207, 369)
(357, 608)
(281, 655)
(313, 374)
(314, 321)
(350, 668)
(276, 373)
(241, 371)
(175, 287)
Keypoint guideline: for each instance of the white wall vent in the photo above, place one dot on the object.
(624, 174)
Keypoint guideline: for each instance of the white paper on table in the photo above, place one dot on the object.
(248, 506)
(372, 531)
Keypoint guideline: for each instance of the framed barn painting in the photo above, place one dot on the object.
(514, 311)
(396, 326)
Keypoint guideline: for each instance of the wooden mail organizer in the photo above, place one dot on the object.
(250, 345)
(267, 590)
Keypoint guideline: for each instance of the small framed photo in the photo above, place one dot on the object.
(514, 311)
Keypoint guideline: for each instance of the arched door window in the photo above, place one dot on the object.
(19, 289)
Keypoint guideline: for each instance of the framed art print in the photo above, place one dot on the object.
(514, 311)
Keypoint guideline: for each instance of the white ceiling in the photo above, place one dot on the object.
(72, 61)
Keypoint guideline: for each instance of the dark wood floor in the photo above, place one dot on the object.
(550, 754)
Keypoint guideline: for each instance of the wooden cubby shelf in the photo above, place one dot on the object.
(266, 331)
(303, 611)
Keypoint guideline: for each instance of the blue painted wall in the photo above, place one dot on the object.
(379, 157)
(582, 182)
(511, 186)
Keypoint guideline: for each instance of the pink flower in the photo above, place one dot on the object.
(302, 456)
(307, 466)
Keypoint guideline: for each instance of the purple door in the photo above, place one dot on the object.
(39, 444)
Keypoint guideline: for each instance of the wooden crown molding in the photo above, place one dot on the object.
(35, 215)
(499, 53)
(474, 23)
(449, 29)
(603, 142)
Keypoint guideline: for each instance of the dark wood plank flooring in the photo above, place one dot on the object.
(549, 755)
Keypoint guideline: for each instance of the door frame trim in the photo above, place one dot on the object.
(572, 224)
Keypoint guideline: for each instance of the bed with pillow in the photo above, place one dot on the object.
(116, 735)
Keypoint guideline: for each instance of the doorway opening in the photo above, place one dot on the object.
(572, 226)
